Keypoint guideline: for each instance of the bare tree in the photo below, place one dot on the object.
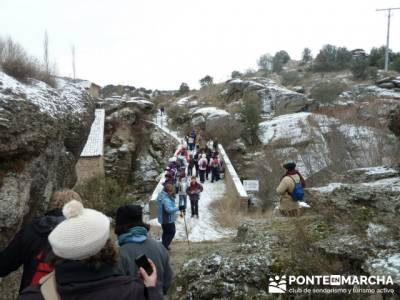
(46, 52)
(73, 61)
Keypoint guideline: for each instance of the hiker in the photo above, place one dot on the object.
(215, 145)
(166, 214)
(203, 165)
(194, 190)
(191, 165)
(192, 140)
(85, 262)
(208, 153)
(133, 241)
(182, 196)
(162, 109)
(215, 166)
(196, 159)
(210, 143)
(30, 246)
(288, 206)
(182, 151)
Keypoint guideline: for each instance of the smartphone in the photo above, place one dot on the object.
(141, 261)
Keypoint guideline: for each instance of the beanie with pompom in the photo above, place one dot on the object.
(82, 234)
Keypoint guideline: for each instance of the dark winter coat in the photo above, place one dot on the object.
(76, 281)
(194, 191)
(153, 250)
(27, 244)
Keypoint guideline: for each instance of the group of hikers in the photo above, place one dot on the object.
(69, 253)
(191, 160)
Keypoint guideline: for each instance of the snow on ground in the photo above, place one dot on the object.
(391, 184)
(327, 189)
(386, 265)
(205, 228)
(66, 99)
(377, 170)
(210, 112)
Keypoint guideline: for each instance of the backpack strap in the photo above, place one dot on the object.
(48, 287)
(294, 181)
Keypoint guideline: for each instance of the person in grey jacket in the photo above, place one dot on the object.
(134, 241)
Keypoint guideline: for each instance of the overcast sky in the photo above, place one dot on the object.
(161, 43)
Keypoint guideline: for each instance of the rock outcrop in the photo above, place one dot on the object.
(394, 121)
(135, 150)
(42, 133)
(274, 98)
(316, 142)
(351, 229)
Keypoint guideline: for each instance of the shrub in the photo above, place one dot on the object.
(15, 62)
(103, 194)
(236, 74)
(377, 57)
(178, 114)
(290, 78)
(328, 91)
(206, 81)
(331, 58)
(183, 89)
(395, 65)
(306, 56)
(226, 130)
(359, 67)
(251, 114)
(279, 60)
(265, 62)
(372, 72)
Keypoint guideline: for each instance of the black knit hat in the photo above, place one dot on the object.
(129, 216)
(290, 166)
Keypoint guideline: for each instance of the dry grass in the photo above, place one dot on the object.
(15, 62)
(226, 211)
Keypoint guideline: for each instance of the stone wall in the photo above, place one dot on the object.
(89, 167)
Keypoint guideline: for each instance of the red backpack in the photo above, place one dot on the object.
(204, 164)
(215, 162)
(42, 268)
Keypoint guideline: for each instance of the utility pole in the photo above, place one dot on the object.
(73, 61)
(389, 10)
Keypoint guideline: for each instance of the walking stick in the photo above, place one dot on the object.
(187, 234)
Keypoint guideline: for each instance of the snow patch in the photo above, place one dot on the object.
(66, 99)
(327, 189)
(211, 112)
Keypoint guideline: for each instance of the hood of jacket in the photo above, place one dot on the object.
(74, 277)
(45, 224)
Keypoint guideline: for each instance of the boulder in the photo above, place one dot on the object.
(394, 121)
(275, 99)
(318, 142)
(387, 85)
(43, 131)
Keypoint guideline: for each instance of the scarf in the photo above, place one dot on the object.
(295, 172)
(136, 234)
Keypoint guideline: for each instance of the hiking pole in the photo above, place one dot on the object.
(187, 234)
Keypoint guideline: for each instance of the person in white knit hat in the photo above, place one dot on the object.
(85, 262)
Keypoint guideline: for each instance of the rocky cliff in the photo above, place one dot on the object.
(42, 133)
(351, 229)
(136, 151)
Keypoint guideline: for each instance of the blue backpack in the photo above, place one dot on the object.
(298, 192)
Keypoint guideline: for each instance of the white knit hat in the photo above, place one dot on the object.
(83, 234)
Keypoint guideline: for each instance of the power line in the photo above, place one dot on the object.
(388, 34)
